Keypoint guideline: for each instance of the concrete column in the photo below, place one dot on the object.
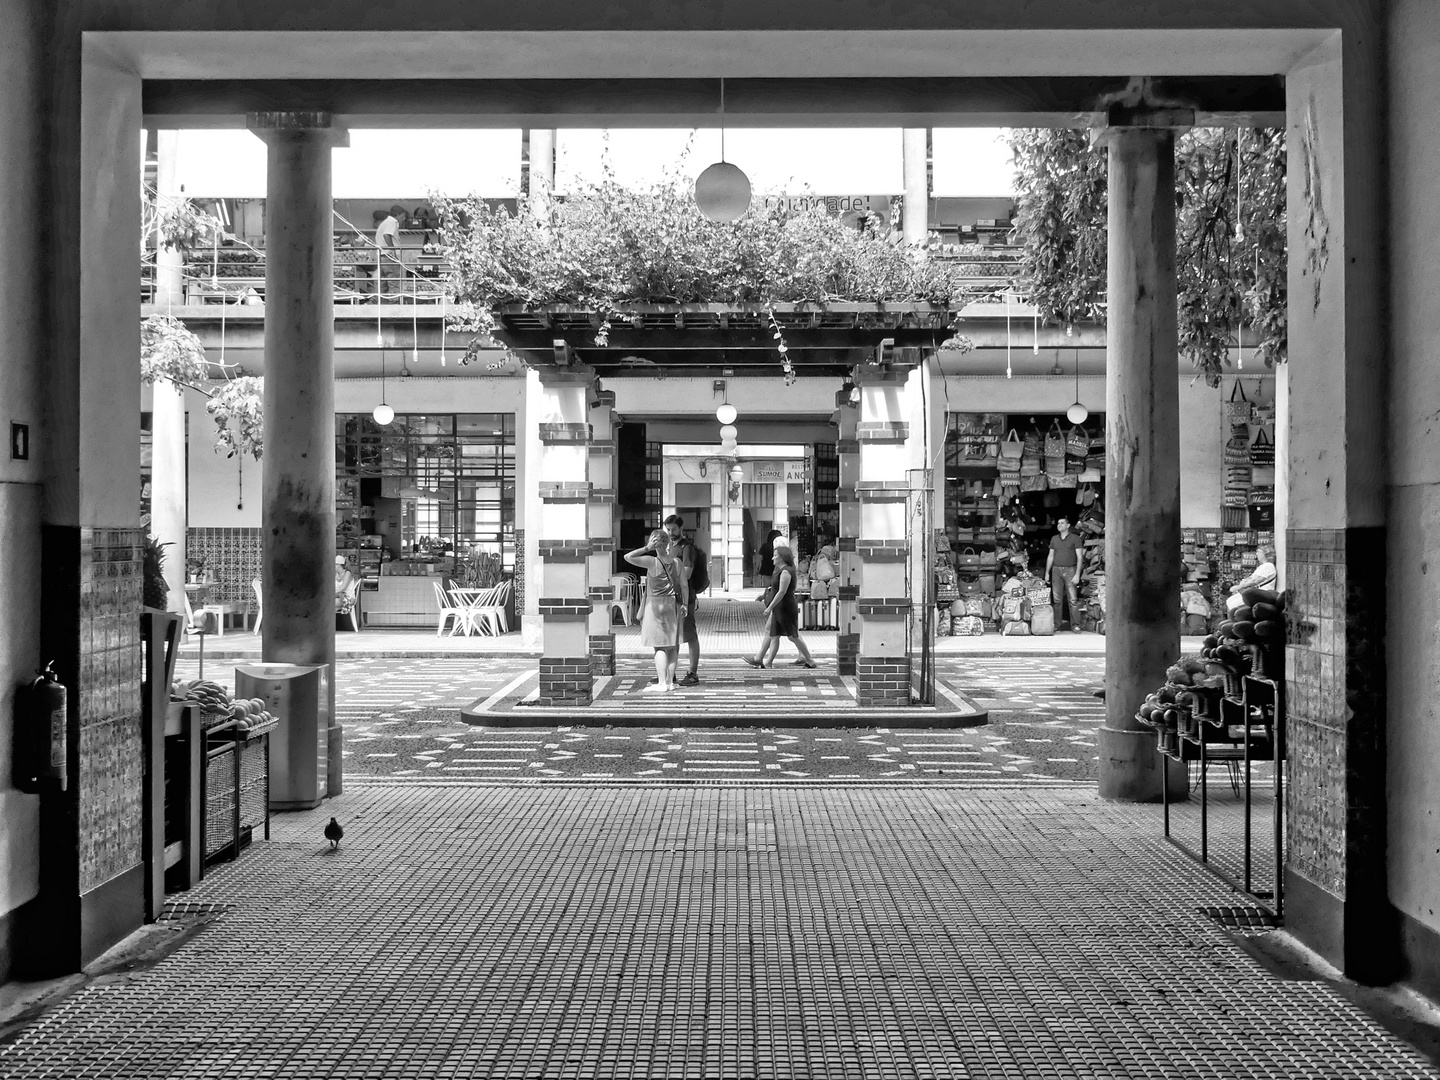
(847, 418)
(168, 509)
(1361, 835)
(542, 170)
(915, 215)
(1142, 430)
(298, 482)
(603, 519)
(882, 542)
(527, 546)
(564, 542)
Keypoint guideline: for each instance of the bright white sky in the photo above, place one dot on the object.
(967, 162)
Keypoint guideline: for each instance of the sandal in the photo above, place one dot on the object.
(805, 663)
(752, 661)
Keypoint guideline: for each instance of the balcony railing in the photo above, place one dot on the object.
(237, 275)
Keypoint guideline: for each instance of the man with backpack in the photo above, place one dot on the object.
(697, 574)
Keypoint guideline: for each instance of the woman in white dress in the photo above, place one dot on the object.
(665, 604)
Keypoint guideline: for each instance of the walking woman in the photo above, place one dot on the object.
(783, 615)
(665, 604)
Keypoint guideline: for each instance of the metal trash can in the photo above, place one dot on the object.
(299, 696)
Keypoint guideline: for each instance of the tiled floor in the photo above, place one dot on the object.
(593, 931)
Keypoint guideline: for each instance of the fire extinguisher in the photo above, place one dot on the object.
(42, 728)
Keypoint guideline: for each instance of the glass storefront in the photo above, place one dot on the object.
(436, 489)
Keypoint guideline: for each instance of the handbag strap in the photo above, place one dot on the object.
(1056, 428)
(1261, 439)
(1238, 389)
(1013, 437)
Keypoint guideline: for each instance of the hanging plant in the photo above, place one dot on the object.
(170, 352)
(606, 246)
(184, 227)
(1225, 282)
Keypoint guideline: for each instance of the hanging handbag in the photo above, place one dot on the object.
(1077, 443)
(1034, 443)
(1055, 441)
(1262, 451)
(1238, 409)
(1011, 449)
(1037, 482)
(1086, 495)
(968, 559)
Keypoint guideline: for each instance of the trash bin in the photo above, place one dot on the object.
(299, 696)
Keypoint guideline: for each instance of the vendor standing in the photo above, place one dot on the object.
(1063, 569)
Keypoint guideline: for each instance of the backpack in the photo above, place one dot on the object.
(699, 571)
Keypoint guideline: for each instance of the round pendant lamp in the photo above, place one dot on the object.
(722, 192)
(729, 433)
(382, 413)
(727, 413)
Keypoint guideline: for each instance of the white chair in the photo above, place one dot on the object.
(448, 612)
(624, 598)
(486, 613)
(259, 603)
(473, 608)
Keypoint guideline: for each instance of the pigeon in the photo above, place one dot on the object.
(333, 833)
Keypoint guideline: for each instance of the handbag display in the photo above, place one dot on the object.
(1238, 410)
(967, 559)
(1035, 482)
(1055, 441)
(1011, 448)
(1034, 443)
(1077, 443)
(1262, 451)
(1042, 620)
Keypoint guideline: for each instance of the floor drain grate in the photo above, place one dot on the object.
(1247, 920)
(187, 909)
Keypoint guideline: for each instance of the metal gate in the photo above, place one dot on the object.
(920, 584)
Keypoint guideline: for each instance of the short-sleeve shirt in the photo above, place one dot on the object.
(1067, 549)
(389, 228)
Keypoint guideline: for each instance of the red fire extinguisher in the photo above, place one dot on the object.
(42, 729)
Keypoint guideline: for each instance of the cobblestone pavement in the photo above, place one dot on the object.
(401, 719)
(698, 932)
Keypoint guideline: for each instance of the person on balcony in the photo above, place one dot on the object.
(387, 249)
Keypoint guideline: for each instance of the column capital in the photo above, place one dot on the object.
(1137, 118)
(266, 125)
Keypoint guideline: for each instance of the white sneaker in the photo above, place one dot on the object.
(654, 688)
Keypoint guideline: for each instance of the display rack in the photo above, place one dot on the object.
(1242, 724)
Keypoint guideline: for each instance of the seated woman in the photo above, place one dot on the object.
(666, 601)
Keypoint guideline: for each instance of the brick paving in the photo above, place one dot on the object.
(603, 931)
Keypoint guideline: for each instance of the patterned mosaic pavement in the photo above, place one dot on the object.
(402, 719)
(696, 932)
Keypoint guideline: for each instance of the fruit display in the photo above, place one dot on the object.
(219, 707)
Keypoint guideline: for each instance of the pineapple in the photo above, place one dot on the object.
(156, 592)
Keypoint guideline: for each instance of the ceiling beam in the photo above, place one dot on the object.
(756, 102)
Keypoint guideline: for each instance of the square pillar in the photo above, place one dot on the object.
(882, 490)
(847, 644)
(602, 515)
(1356, 812)
(564, 603)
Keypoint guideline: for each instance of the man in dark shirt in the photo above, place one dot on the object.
(1062, 567)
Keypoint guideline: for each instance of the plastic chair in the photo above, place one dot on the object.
(490, 606)
(259, 603)
(448, 612)
(624, 598)
(477, 613)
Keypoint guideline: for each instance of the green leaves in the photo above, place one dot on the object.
(170, 352)
(607, 246)
(1225, 281)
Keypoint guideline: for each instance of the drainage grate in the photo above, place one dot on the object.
(190, 909)
(1244, 920)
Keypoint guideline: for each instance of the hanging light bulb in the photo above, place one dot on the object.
(1077, 413)
(729, 432)
(722, 192)
(382, 413)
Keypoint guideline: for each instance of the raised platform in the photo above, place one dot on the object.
(729, 694)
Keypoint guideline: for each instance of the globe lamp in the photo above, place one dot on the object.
(383, 414)
(727, 413)
(1077, 413)
(722, 192)
(729, 433)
